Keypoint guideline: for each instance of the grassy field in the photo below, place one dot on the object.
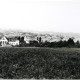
(40, 63)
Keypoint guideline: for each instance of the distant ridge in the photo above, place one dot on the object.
(49, 36)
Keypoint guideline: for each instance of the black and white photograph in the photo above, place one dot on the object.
(39, 39)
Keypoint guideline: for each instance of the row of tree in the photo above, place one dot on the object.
(69, 43)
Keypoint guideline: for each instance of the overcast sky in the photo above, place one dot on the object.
(40, 15)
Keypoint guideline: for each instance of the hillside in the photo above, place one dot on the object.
(49, 36)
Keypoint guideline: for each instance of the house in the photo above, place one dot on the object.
(6, 41)
(3, 41)
(14, 42)
(27, 39)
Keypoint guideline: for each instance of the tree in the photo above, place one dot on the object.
(22, 42)
(19, 38)
(39, 39)
(22, 39)
(77, 44)
(70, 42)
(33, 43)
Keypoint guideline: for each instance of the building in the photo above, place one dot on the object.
(26, 39)
(5, 41)
(14, 42)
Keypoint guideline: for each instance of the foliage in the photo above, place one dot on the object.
(22, 43)
(38, 43)
(39, 63)
(70, 42)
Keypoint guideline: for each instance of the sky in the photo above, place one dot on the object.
(40, 15)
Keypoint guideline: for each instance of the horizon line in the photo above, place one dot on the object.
(36, 31)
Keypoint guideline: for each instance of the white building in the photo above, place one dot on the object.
(14, 43)
(8, 41)
(3, 41)
(27, 39)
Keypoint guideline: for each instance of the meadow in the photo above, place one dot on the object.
(39, 63)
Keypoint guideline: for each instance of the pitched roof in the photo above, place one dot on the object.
(10, 38)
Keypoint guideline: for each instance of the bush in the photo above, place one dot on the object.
(39, 63)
